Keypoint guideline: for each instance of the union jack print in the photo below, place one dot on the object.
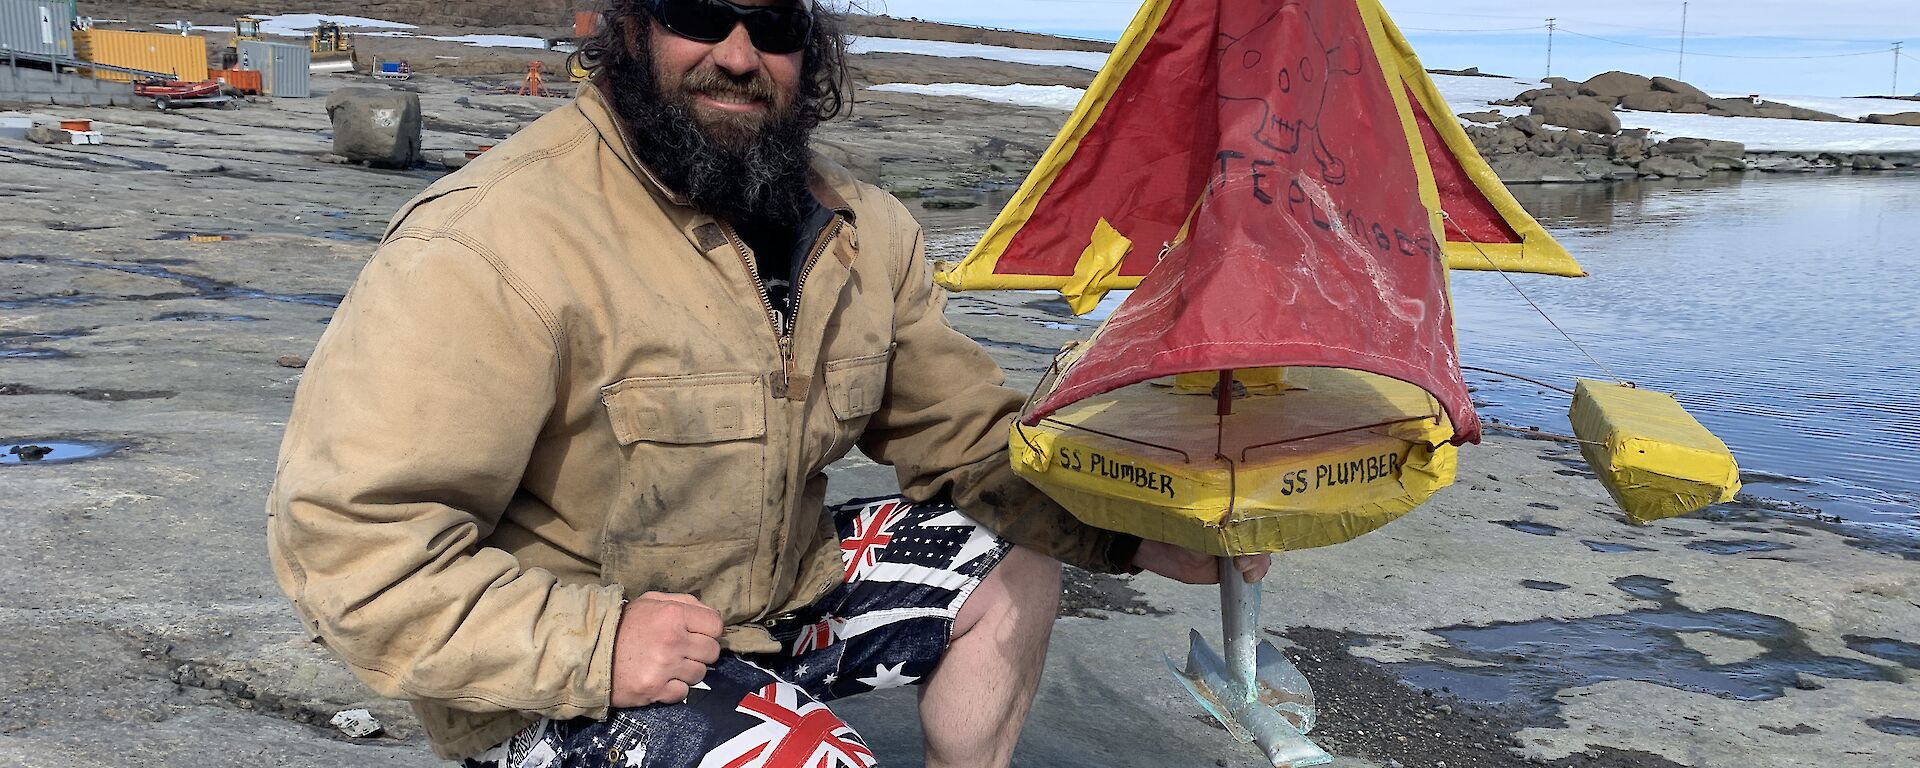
(813, 637)
(871, 534)
(794, 732)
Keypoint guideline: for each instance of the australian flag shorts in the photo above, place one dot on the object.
(908, 569)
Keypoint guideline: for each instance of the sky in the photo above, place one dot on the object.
(1815, 47)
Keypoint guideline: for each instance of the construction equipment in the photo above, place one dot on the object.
(331, 47)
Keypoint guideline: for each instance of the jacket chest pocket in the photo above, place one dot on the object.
(693, 480)
(856, 385)
(855, 388)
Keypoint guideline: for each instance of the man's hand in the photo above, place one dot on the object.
(662, 649)
(1182, 564)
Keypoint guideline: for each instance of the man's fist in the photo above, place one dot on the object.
(662, 649)
(1182, 564)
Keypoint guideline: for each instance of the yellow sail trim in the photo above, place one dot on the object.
(1538, 252)
(977, 271)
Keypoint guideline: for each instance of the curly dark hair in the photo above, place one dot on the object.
(824, 87)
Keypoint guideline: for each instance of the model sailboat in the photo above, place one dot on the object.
(1283, 189)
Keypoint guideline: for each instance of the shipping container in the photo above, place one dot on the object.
(182, 56)
(246, 81)
(284, 68)
(37, 27)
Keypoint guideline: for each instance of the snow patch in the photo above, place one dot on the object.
(1058, 97)
(298, 24)
(1077, 59)
(492, 41)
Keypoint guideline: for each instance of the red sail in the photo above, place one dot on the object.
(1311, 246)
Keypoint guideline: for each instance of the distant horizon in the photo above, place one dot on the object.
(1761, 46)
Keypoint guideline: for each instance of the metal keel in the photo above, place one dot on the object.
(1254, 690)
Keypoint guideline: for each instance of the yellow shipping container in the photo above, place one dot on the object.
(184, 57)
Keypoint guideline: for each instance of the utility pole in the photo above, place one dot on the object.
(1550, 23)
(1682, 74)
(1896, 69)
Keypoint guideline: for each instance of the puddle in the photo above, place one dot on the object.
(52, 452)
(1613, 548)
(14, 344)
(64, 226)
(1897, 726)
(1897, 651)
(1019, 347)
(1526, 664)
(74, 161)
(1544, 586)
(1736, 546)
(88, 393)
(1528, 526)
(349, 236)
(201, 287)
(206, 317)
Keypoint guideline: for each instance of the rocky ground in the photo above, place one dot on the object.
(1516, 620)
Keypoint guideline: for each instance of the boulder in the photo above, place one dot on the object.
(1528, 169)
(1562, 84)
(1585, 115)
(1902, 118)
(1734, 107)
(1613, 85)
(1596, 169)
(1651, 101)
(1783, 164)
(1629, 146)
(1526, 124)
(48, 134)
(1712, 155)
(1692, 109)
(1871, 163)
(1671, 168)
(376, 126)
(1688, 93)
(1801, 113)
(1488, 116)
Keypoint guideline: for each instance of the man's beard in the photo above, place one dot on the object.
(743, 170)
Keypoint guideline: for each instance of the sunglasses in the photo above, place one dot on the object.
(773, 29)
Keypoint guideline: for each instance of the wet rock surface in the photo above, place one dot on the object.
(139, 610)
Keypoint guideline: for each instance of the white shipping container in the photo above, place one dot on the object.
(284, 69)
(37, 27)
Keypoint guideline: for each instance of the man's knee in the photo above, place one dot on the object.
(1024, 584)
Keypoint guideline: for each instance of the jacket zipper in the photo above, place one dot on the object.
(784, 338)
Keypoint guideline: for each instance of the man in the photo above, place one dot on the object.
(555, 471)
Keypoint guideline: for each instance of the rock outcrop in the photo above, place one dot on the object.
(1903, 118)
(1625, 90)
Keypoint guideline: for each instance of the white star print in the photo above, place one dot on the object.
(978, 542)
(636, 757)
(888, 677)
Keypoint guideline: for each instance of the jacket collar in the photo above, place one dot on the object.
(830, 184)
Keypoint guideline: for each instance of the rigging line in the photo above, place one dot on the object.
(1875, 52)
(1535, 382)
(1530, 302)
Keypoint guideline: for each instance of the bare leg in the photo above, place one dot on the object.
(973, 706)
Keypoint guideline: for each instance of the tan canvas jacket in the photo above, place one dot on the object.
(554, 388)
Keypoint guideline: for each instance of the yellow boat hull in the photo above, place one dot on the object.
(1337, 455)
